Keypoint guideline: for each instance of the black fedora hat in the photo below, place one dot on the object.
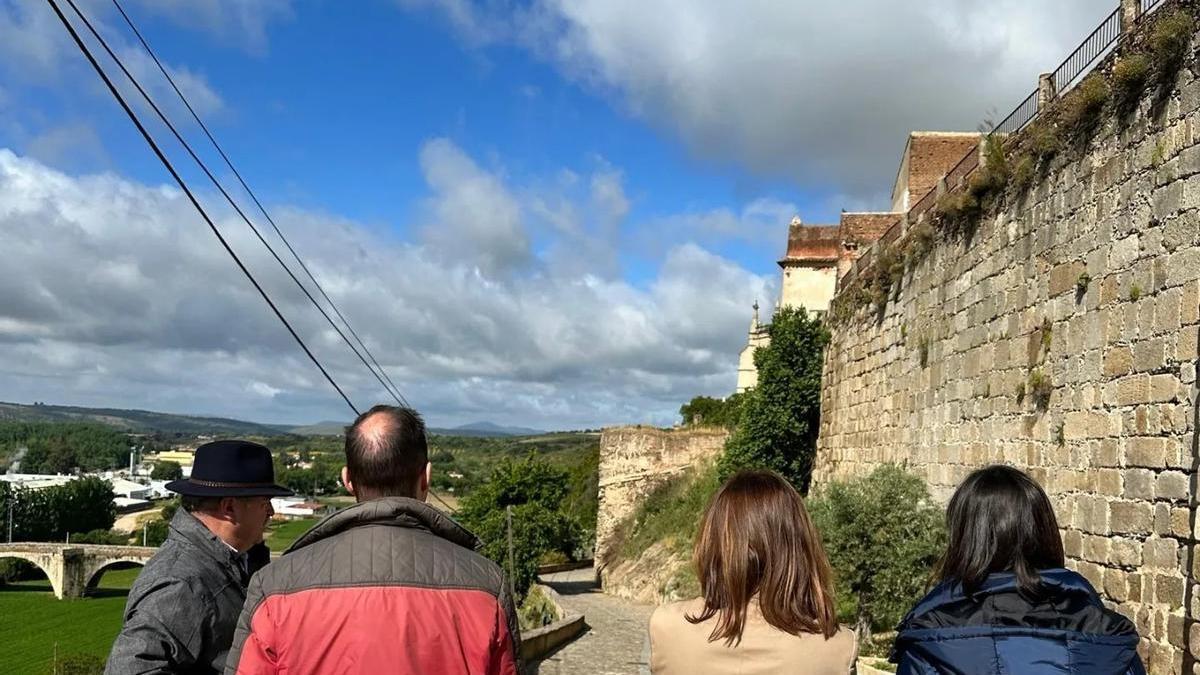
(231, 469)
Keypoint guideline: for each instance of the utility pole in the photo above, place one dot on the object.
(144, 527)
(511, 568)
(11, 499)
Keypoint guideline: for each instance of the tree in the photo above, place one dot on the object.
(166, 470)
(883, 537)
(535, 491)
(48, 514)
(780, 418)
(712, 411)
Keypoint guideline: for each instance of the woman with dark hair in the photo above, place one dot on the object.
(1005, 603)
(768, 603)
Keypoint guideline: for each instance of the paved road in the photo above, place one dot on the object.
(615, 642)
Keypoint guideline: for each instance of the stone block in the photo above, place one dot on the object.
(1183, 266)
(1118, 361)
(1063, 277)
(1161, 554)
(1148, 452)
(1149, 355)
(1130, 517)
(1164, 388)
(1126, 552)
(1138, 484)
(1172, 485)
(1132, 390)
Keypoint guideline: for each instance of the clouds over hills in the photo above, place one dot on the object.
(115, 291)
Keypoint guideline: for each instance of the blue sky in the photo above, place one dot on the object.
(548, 214)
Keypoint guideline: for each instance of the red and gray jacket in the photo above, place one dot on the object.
(386, 586)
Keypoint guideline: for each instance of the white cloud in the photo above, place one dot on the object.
(243, 22)
(822, 92)
(35, 48)
(115, 293)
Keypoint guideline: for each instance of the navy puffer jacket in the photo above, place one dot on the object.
(997, 631)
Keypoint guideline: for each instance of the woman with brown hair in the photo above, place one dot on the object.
(768, 603)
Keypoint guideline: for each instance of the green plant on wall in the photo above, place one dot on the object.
(1040, 388)
(923, 351)
(1047, 335)
(1129, 79)
(1082, 283)
(1135, 292)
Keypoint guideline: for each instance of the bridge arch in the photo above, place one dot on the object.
(44, 565)
(96, 569)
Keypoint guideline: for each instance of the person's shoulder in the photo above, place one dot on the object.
(672, 614)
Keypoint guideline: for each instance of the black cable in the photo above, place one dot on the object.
(191, 197)
(394, 391)
(203, 167)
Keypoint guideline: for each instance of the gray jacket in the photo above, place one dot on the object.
(184, 606)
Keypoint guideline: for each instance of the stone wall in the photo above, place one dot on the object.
(1092, 284)
(635, 460)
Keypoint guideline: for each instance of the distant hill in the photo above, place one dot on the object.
(490, 429)
(320, 429)
(138, 420)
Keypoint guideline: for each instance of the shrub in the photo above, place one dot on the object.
(706, 410)
(107, 537)
(1040, 388)
(1129, 82)
(1081, 110)
(957, 212)
(166, 471)
(989, 183)
(1042, 139)
(537, 610)
(1024, 172)
(1135, 292)
(921, 239)
(1082, 283)
(883, 537)
(1169, 42)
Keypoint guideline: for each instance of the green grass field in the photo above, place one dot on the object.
(280, 535)
(35, 624)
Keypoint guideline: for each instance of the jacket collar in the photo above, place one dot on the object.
(1061, 580)
(186, 527)
(393, 511)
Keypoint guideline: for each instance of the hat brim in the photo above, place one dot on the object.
(189, 489)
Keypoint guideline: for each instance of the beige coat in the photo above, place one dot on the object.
(680, 647)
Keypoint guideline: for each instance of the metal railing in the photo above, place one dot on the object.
(1096, 45)
(965, 167)
(1020, 116)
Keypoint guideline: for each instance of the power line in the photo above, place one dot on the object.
(203, 167)
(187, 191)
(394, 390)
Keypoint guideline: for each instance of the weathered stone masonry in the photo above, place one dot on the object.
(634, 460)
(1105, 253)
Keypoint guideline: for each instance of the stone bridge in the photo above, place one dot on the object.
(74, 569)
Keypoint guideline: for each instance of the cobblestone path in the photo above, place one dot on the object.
(616, 640)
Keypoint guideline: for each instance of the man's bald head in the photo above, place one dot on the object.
(386, 453)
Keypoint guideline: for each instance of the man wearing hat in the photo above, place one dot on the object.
(184, 606)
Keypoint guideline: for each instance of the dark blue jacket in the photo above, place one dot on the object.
(998, 631)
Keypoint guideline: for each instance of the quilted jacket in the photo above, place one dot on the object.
(183, 607)
(385, 586)
(997, 630)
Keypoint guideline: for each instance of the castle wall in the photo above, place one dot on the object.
(1105, 252)
(635, 460)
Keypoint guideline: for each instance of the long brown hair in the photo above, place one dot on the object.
(757, 539)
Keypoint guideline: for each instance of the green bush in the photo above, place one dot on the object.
(166, 471)
(1129, 82)
(537, 610)
(1081, 111)
(107, 537)
(957, 212)
(781, 417)
(1024, 173)
(883, 537)
(1169, 42)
